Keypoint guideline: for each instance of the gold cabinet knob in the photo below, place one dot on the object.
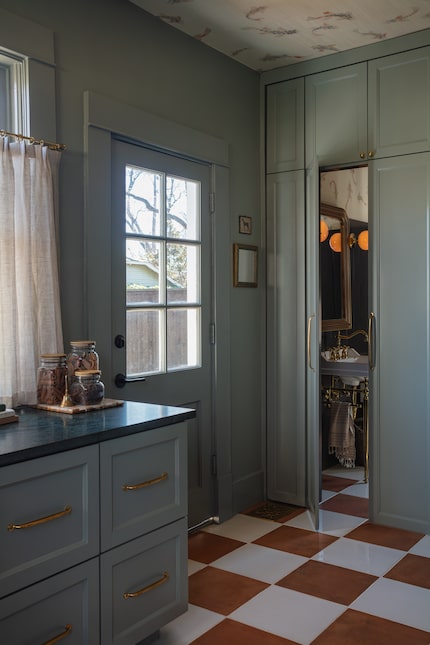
(371, 153)
(362, 155)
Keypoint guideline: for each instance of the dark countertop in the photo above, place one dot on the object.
(39, 433)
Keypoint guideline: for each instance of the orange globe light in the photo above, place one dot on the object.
(323, 231)
(363, 240)
(336, 242)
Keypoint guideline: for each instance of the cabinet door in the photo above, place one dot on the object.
(143, 483)
(65, 606)
(49, 508)
(144, 585)
(285, 126)
(400, 343)
(286, 338)
(336, 115)
(399, 103)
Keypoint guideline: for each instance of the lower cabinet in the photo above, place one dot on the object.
(94, 546)
(63, 607)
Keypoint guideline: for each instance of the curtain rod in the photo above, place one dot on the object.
(41, 142)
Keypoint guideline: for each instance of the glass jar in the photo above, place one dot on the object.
(51, 379)
(82, 356)
(87, 388)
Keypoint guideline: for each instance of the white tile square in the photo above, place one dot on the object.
(397, 601)
(338, 524)
(422, 547)
(189, 626)
(243, 527)
(288, 614)
(194, 566)
(260, 562)
(360, 489)
(360, 556)
(327, 494)
(302, 521)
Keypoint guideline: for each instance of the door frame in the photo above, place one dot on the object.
(104, 117)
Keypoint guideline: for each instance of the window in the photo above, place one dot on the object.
(14, 113)
(163, 246)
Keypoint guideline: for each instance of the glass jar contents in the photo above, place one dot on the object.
(83, 356)
(51, 379)
(87, 388)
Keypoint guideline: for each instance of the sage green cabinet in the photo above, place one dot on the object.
(285, 126)
(285, 337)
(399, 103)
(336, 115)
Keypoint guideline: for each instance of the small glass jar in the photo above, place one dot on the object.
(51, 379)
(82, 356)
(87, 388)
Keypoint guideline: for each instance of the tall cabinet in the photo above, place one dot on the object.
(374, 112)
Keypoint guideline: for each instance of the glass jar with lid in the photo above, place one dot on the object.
(82, 356)
(51, 379)
(87, 388)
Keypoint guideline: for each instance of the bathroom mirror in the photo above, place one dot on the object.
(335, 271)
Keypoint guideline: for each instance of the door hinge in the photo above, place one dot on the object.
(214, 466)
(212, 333)
(212, 202)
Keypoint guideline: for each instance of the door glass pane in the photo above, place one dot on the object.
(183, 270)
(145, 341)
(143, 275)
(143, 204)
(182, 208)
(183, 338)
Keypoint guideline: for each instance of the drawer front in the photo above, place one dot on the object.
(143, 483)
(65, 605)
(144, 585)
(49, 514)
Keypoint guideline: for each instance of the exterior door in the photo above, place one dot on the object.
(162, 294)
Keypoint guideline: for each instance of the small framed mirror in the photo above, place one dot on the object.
(245, 260)
(335, 269)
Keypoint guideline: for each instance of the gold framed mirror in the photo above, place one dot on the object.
(335, 269)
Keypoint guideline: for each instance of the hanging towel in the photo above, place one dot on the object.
(341, 440)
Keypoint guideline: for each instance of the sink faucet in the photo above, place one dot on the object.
(354, 333)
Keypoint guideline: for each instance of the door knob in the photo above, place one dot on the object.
(119, 341)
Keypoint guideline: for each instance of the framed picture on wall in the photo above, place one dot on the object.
(245, 258)
(245, 224)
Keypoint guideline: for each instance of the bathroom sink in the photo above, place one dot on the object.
(351, 357)
(351, 380)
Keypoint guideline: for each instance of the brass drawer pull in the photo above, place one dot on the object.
(135, 594)
(149, 482)
(67, 631)
(28, 525)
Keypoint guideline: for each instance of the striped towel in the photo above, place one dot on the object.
(341, 441)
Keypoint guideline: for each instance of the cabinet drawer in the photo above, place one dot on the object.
(144, 585)
(66, 604)
(143, 483)
(49, 515)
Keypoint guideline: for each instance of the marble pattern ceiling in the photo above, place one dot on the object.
(266, 34)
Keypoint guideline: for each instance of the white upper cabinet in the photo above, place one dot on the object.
(399, 103)
(336, 115)
(285, 126)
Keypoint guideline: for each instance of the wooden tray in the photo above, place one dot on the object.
(76, 409)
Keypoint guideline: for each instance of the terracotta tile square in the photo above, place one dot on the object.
(328, 582)
(347, 505)
(336, 484)
(221, 591)
(229, 631)
(412, 569)
(385, 536)
(207, 547)
(356, 628)
(295, 540)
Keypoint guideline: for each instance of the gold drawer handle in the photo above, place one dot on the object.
(149, 482)
(67, 631)
(28, 525)
(135, 594)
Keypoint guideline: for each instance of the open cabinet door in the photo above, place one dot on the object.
(313, 343)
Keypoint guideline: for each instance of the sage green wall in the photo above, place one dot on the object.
(115, 49)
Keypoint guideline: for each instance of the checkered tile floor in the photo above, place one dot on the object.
(259, 582)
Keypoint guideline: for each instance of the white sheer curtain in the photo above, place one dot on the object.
(30, 316)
